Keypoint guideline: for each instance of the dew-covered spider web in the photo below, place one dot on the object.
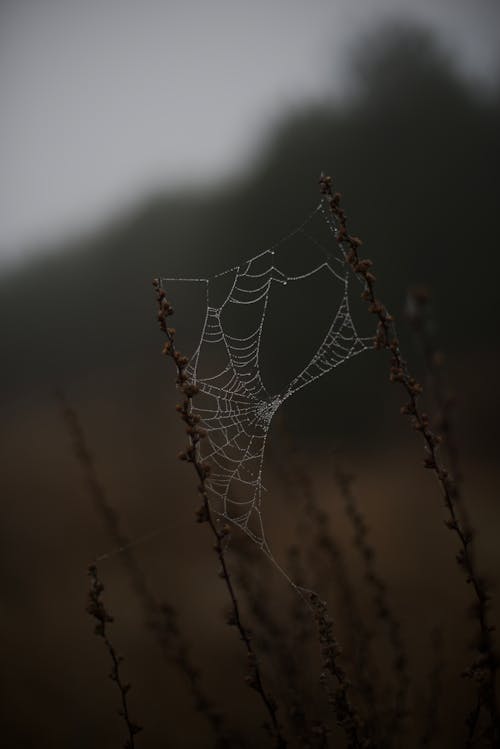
(234, 405)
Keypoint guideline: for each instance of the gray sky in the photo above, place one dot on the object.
(104, 100)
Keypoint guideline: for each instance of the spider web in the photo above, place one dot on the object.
(234, 405)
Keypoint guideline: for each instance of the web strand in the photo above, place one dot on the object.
(234, 405)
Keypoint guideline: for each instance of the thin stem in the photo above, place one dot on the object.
(282, 644)
(204, 513)
(324, 545)
(418, 312)
(161, 617)
(485, 665)
(97, 609)
(380, 599)
(339, 698)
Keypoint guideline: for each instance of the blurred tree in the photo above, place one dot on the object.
(415, 151)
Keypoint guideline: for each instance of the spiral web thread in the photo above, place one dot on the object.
(233, 403)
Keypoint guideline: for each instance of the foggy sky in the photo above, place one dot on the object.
(105, 100)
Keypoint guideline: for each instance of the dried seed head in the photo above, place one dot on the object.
(201, 514)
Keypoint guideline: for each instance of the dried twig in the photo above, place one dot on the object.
(418, 313)
(97, 609)
(281, 643)
(318, 539)
(381, 602)
(485, 665)
(204, 513)
(346, 715)
(161, 617)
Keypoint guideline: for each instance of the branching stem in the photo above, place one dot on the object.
(485, 666)
(97, 609)
(204, 513)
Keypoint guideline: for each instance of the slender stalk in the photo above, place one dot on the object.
(315, 524)
(484, 668)
(339, 697)
(97, 609)
(204, 513)
(161, 617)
(381, 602)
(279, 643)
(418, 312)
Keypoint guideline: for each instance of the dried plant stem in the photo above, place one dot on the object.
(301, 630)
(324, 545)
(364, 671)
(345, 713)
(161, 617)
(418, 312)
(485, 666)
(97, 609)
(380, 599)
(282, 643)
(274, 639)
(204, 513)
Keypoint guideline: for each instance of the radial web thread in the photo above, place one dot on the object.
(233, 403)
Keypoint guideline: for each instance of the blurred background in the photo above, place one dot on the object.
(176, 139)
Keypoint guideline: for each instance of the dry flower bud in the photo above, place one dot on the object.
(415, 388)
(363, 265)
(376, 308)
(201, 514)
(190, 389)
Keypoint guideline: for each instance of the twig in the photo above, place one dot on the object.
(418, 313)
(380, 599)
(281, 644)
(97, 609)
(345, 713)
(204, 513)
(324, 545)
(161, 618)
(485, 666)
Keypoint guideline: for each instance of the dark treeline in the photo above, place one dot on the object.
(416, 154)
